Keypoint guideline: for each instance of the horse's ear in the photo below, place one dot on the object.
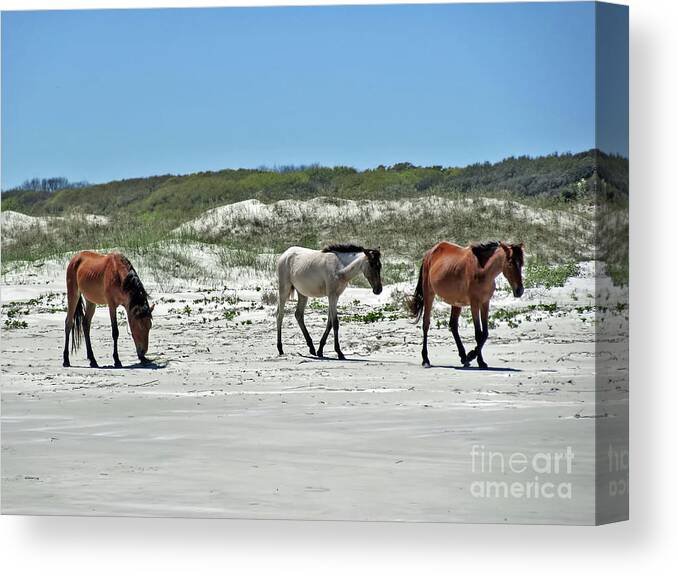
(152, 308)
(506, 248)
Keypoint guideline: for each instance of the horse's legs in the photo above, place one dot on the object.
(328, 327)
(68, 326)
(114, 332)
(299, 314)
(454, 326)
(335, 327)
(284, 290)
(479, 313)
(323, 339)
(484, 312)
(426, 323)
(86, 323)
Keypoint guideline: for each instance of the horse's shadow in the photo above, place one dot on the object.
(480, 369)
(325, 358)
(150, 365)
(457, 367)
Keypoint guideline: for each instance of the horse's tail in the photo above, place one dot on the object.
(76, 330)
(285, 287)
(415, 303)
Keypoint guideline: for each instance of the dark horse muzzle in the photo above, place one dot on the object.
(518, 291)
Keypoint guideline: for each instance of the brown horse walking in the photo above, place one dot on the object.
(94, 279)
(465, 277)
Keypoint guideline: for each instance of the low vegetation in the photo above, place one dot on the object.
(552, 203)
(564, 177)
(549, 276)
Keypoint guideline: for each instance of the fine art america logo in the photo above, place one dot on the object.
(518, 475)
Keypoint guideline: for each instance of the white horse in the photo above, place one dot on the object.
(326, 273)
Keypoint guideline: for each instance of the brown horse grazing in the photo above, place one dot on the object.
(105, 280)
(461, 277)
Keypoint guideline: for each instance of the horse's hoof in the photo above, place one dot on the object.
(93, 364)
(67, 364)
(312, 351)
(320, 355)
(117, 364)
(471, 356)
(341, 355)
(466, 364)
(426, 363)
(482, 365)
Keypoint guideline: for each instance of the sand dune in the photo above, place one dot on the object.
(242, 217)
(13, 224)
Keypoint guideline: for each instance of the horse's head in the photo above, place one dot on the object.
(140, 323)
(513, 267)
(372, 269)
(139, 312)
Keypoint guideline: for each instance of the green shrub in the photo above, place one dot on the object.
(549, 276)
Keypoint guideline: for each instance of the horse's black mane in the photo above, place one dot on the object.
(518, 253)
(343, 248)
(138, 297)
(483, 251)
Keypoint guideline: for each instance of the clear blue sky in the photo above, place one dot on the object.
(102, 95)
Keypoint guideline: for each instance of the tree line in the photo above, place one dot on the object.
(48, 185)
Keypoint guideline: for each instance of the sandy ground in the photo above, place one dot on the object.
(220, 426)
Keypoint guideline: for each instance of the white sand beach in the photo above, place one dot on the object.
(220, 426)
